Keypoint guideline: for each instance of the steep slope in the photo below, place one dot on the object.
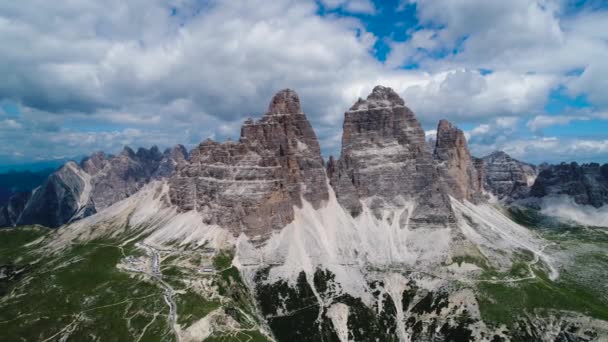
(456, 164)
(508, 178)
(253, 185)
(386, 163)
(76, 191)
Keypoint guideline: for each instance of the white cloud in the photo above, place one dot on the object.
(97, 70)
(351, 6)
(542, 121)
(469, 95)
(9, 124)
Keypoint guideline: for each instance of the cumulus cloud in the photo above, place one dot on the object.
(542, 121)
(469, 95)
(149, 72)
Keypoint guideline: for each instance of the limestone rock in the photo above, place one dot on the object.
(508, 178)
(252, 185)
(587, 184)
(386, 162)
(456, 164)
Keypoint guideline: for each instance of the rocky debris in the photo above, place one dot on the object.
(456, 164)
(507, 178)
(252, 185)
(587, 184)
(76, 191)
(386, 162)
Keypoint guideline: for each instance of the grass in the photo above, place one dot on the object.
(192, 307)
(503, 303)
(82, 286)
(13, 241)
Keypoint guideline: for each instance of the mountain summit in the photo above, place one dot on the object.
(252, 185)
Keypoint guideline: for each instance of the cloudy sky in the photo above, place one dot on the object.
(529, 77)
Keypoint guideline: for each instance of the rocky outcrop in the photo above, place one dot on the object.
(385, 162)
(58, 199)
(587, 184)
(76, 191)
(456, 164)
(172, 159)
(252, 185)
(9, 213)
(507, 178)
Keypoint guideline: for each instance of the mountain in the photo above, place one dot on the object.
(587, 184)
(385, 162)
(456, 164)
(508, 178)
(258, 240)
(252, 185)
(79, 190)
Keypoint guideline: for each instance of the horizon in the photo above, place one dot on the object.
(526, 78)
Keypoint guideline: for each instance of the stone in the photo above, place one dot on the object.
(456, 164)
(385, 162)
(251, 186)
(587, 184)
(508, 178)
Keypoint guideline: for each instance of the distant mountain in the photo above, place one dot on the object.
(79, 190)
(507, 178)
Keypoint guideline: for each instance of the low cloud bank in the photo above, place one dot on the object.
(565, 207)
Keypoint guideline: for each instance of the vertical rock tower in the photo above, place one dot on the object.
(455, 163)
(252, 185)
(386, 163)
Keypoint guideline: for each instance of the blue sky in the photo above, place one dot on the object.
(524, 76)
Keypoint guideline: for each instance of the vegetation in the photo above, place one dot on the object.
(81, 292)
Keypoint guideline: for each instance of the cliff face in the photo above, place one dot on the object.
(76, 191)
(252, 185)
(385, 161)
(587, 184)
(456, 164)
(507, 178)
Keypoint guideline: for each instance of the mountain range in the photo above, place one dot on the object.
(394, 240)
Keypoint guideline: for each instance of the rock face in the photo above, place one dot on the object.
(9, 213)
(76, 191)
(58, 199)
(385, 162)
(456, 164)
(587, 184)
(507, 178)
(251, 186)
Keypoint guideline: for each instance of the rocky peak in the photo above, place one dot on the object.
(380, 97)
(252, 185)
(128, 152)
(455, 162)
(385, 161)
(506, 177)
(587, 184)
(285, 101)
(171, 160)
(94, 163)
